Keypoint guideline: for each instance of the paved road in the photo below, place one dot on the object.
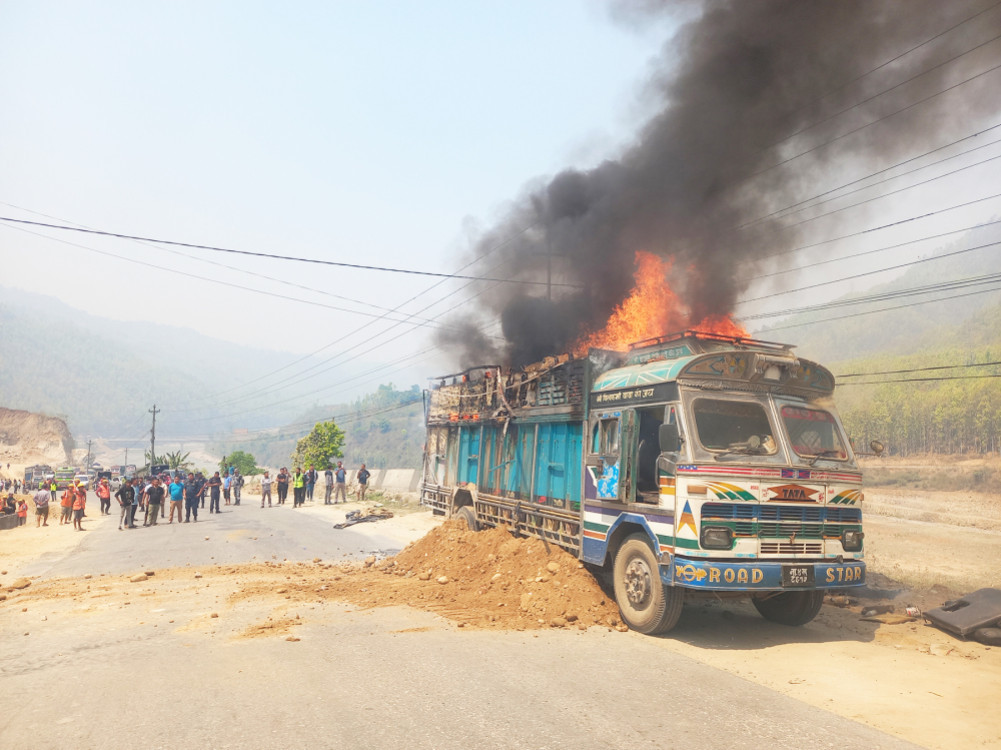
(240, 533)
(91, 675)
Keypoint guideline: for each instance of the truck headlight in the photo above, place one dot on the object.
(851, 540)
(716, 537)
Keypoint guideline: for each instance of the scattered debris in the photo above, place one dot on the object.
(965, 616)
(363, 516)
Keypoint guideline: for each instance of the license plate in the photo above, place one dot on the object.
(797, 575)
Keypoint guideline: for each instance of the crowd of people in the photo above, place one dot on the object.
(154, 496)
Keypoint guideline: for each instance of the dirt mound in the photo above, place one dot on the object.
(486, 579)
(26, 438)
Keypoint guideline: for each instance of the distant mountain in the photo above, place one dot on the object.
(102, 375)
(907, 324)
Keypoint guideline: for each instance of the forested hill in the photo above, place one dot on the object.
(383, 429)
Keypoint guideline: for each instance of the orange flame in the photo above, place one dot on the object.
(650, 310)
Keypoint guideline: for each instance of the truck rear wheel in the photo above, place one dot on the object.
(466, 513)
(790, 608)
(645, 603)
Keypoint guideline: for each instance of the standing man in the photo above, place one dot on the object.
(147, 485)
(215, 483)
(154, 498)
(176, 498)
(192, 489)
(66, 505)
(310, 482)
(226, 483)
(79, 505)
(126, 496)
(282, 482)
(53, 489)
(266, 489)
(328, 485)
(41, 506)
(363, 475)
(103, 491)
(298, 487)
(236, 485)
(341, 475)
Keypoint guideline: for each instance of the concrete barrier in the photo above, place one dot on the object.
(8, 522)
(398, 480)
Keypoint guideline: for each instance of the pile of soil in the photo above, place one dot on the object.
(486, 579)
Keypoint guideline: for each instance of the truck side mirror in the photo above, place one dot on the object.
(670, 438)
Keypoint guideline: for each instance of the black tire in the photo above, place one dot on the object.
(466, 513)
(791, 608)
(645, 603)
(988, 636)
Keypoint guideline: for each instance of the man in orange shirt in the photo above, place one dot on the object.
(79, 503)
(66, 505)
(103, 491)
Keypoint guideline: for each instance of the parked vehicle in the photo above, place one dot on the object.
(64, 477)
(694, 464)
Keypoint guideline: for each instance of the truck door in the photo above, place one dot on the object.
(613, 477)
(469, 454)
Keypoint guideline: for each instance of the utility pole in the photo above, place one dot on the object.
(126, 459)
(152, 438)
(89, 441)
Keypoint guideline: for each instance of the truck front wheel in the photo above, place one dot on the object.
(790, 608)
(645, 603)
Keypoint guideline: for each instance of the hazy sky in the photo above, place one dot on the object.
(381, 133)
(369, 132)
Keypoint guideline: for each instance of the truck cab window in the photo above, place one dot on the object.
(813, 433)
(605, 439)
(734, 426)
(648, 449)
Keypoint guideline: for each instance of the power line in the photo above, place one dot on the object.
(874, 122)
(799, 205)
(490, 251)
(886, 91)
(220, 282)
(893, 192)
(854, 256)
(918, 369)
(292, 258)
(924, 380)
(872, 273)
(860, 313)
(895, 58)
(884, 296)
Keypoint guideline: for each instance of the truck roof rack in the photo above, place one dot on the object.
(709, 336)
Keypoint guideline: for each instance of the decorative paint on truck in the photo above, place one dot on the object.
(691, 464)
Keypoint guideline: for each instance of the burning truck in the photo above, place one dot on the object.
(697, 464)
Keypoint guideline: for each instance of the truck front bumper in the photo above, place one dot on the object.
(712, 575)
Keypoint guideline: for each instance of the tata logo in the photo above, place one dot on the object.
(793, 493)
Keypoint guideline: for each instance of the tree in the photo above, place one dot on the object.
(323, 443)
(245, 462)
(175, 460)
(156, 461)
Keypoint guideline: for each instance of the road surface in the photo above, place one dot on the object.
(84, 672)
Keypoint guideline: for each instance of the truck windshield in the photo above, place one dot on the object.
(734, 426)
(813, 433)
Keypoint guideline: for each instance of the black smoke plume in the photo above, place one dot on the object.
(734, 82)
